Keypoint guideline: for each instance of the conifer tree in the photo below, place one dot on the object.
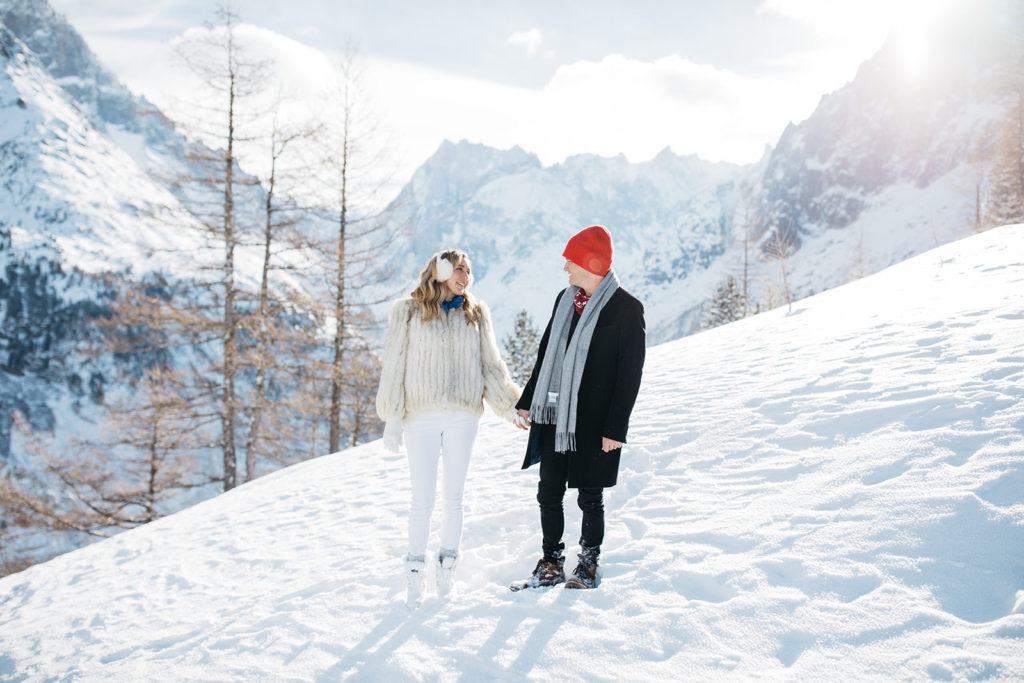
(726, 305)
(1006, 195)
(521, 348)
(1005, 200)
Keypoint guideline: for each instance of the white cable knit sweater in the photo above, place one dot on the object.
(444, 364)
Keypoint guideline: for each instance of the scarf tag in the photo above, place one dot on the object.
(552, 398)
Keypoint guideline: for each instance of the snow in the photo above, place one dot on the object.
(831, 493)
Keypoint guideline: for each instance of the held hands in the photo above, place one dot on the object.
(393, 435)
(522, 421)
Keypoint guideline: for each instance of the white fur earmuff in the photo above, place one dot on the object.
(444, 268)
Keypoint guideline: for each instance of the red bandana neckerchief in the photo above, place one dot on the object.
(581, 301)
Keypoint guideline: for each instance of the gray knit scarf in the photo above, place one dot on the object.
(555, 395)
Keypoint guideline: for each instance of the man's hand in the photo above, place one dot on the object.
(522, 420)
(610, 444)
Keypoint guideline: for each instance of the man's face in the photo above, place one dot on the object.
(577, 275)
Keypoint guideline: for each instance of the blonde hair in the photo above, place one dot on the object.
(431, 291)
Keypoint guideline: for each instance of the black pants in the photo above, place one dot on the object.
(554, 474)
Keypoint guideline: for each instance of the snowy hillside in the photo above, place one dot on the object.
(827, 494)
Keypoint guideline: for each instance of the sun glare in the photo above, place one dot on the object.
(912, 28)
(914, 47)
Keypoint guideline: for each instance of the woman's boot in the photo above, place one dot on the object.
(414, 568)
(446, 561)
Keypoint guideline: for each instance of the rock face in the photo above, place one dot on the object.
(894, 124)
(62, 53)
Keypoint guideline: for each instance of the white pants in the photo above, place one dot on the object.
(428, 438)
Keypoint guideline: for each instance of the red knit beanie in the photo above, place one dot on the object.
(591, 250)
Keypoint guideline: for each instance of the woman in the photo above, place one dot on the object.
(440, 363)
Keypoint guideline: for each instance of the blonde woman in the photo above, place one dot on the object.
(440, 364)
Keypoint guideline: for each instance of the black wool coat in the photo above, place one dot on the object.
(608, 390)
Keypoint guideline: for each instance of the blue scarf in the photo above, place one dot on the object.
(452, 303)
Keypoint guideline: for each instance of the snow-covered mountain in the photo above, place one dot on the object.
(513, 216)
(827, 494)
(884, 168)
(73, 205)
(70, 186)
(90, 168)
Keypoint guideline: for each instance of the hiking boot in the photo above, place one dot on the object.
(585, 574)
(548, 572)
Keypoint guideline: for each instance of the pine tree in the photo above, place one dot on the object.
(1006, 196)
(521, 348)
(726, 305)
(1005, 200)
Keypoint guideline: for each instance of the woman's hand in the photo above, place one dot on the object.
(393, 435)
(522, 419)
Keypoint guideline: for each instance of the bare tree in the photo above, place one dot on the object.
(99, 486)
(268, 324)
(1005, 201)
(230, 78)
(779, 247)
(748, 226)
(356, 176)
(859, 268)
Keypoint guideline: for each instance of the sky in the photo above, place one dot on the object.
(720, 80)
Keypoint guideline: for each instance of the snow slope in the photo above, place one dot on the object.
(831, 493)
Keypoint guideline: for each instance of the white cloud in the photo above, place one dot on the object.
(529, 40)
(638, 108)
(615, 106)
(607, 107)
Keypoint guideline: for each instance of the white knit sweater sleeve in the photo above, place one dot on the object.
(500, 392)
(391, 390)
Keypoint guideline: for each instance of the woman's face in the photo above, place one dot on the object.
(459, 280)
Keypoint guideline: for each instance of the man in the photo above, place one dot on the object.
(578, 400)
